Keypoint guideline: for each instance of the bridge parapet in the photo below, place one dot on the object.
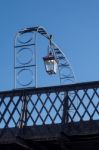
(50, 111)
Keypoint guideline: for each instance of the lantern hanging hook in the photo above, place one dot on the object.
(50, 49)
(50, 39)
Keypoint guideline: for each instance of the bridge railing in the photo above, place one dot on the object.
(50, 105)
(31, 107)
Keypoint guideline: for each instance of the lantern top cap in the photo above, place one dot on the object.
(50, 56)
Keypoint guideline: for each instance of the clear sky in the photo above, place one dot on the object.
(73, 23)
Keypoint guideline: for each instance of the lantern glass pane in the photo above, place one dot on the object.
(55, 66)
(49, 65)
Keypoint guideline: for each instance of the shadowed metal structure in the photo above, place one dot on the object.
(41, 119)
(25, 55)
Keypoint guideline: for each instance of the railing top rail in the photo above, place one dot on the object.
(70, 87)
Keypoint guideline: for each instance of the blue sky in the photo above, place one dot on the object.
(73, 23)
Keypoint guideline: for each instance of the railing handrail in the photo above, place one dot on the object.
(69, 87)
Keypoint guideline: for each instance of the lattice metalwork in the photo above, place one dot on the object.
(51, 105)
(84, 105)
(48, 106)
(45, 109)
(31, 109)
(10, 111)
(32, 116)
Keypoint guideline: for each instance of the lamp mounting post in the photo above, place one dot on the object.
(25, 68)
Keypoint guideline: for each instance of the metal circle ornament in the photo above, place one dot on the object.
(25, 77)
(24, 38)
(25, 56)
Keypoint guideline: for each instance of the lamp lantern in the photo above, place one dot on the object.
(51, 64)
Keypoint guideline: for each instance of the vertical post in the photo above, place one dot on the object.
(14, 67)
(24, 112)
(35, 53)
(65, 111)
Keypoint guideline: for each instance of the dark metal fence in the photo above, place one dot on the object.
(51, 105)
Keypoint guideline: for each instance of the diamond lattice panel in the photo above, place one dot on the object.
(45, 109)
(84, 105)
(10, 111)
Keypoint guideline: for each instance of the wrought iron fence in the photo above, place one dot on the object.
(28, 109)
(84, 105)
(51, 105)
